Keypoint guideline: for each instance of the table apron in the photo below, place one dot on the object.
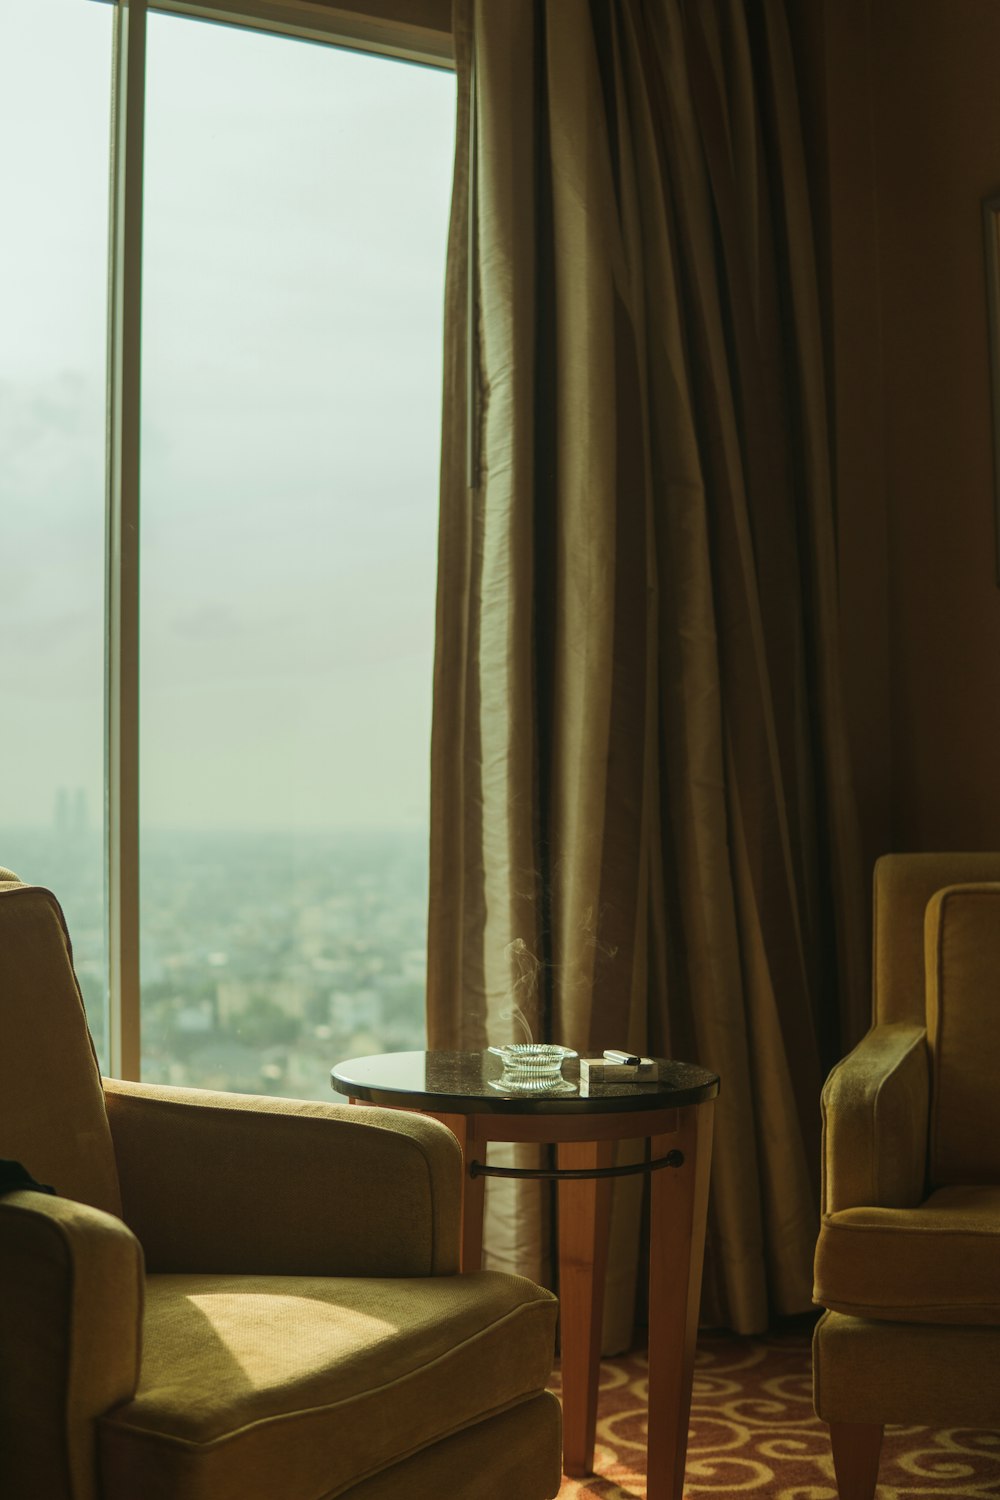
(541, 1130)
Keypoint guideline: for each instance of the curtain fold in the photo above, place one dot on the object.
(642, 820)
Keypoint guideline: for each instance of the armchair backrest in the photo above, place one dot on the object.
(904, 883)
(52, 1114)
(962, 939)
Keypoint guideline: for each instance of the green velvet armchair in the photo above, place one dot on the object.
(908, 1256)
(239, 1298)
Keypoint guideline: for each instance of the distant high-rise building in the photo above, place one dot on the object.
(71, 815)
(62, 812)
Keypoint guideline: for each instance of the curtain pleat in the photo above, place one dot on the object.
(642, 820)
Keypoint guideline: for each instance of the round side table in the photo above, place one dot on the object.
(673, 1114)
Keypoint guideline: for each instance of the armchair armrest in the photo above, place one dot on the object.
(243, 1184)
(875, 1117)
(70, 1333)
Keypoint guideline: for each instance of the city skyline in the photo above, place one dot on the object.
(71, 811)
(264, 958)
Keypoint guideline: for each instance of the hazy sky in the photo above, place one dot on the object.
(295, 220)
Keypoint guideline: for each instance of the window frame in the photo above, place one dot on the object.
(412, 30)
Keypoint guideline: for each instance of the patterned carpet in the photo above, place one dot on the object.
(753, 1433)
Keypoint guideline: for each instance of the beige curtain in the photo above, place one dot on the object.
(642, 824)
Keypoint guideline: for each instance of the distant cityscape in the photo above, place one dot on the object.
(265, 958)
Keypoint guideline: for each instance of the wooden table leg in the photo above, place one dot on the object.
(468, 1129)
(584, 1221)
(678, 1204)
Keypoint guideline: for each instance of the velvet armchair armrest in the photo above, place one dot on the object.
(241, 1184)
(70, 1328)
(875, 1117)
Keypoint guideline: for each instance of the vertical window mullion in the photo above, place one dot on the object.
(122, 587)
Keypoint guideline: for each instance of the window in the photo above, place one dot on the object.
(295, 202)
(55, 79)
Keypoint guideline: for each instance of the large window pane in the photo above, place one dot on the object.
(55, 78)
(296, 200)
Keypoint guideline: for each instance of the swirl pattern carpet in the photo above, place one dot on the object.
(754, 1434)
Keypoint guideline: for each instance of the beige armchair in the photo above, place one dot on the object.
(237, 1298)
(908, 1257)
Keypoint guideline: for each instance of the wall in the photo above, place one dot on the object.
(901, 108)
(937, 115)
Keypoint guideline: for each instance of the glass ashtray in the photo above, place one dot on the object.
(532, 1068)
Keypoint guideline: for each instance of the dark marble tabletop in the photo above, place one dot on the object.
(465, 1083)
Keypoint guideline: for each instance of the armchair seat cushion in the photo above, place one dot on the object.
(253, 1387)
(937, 1263)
